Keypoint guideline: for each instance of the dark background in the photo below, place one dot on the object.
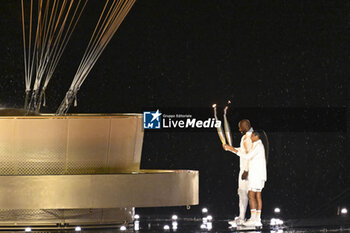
(191, 54)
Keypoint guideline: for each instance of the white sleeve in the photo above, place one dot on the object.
(247, 147)
(242, 153)
(235, 152)
(247, 144)
(253, 152)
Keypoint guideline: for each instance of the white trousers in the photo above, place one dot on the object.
(243, 186)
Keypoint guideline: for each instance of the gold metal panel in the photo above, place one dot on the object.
(58, 216)
(131, 139)
(42, 159)
(40, 146)
(80, 144)
(75, 116)
(87, 145)
(8, 164)
(99, 191)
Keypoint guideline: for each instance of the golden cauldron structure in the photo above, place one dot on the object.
(81, 169)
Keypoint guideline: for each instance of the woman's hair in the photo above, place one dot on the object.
(263, 137)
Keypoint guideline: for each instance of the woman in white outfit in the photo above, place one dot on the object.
(257, 175)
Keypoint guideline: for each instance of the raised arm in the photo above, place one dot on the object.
(231, 149)
(247, 146)
(239, 152)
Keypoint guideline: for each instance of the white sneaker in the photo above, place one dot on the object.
(249, 223)
(253, 223)
(239, 221)
(232, 222)
(258, 223)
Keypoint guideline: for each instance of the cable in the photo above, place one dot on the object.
(107, 24)
(57, 19)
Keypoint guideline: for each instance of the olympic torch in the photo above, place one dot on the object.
(227, 125)
(219, 129)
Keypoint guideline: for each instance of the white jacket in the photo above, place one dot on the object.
(257, 162)
(246, 146)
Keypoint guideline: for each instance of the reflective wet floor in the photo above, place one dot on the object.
(204, 225)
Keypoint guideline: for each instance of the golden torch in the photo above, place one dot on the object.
(227, 125)
(220, 131)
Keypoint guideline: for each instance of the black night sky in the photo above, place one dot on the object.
(272, 55)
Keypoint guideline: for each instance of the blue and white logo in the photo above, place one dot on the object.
(151, 120)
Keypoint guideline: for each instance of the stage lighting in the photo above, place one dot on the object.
(344, 211)
(136, 225)
(174, 225)
(273, 222)
(204, 220)
(279, 222)
(209, 226)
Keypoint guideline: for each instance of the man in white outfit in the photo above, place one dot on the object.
(245, 147)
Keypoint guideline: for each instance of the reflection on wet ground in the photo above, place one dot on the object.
(202, 225)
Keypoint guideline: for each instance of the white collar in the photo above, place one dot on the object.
(258, 141)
